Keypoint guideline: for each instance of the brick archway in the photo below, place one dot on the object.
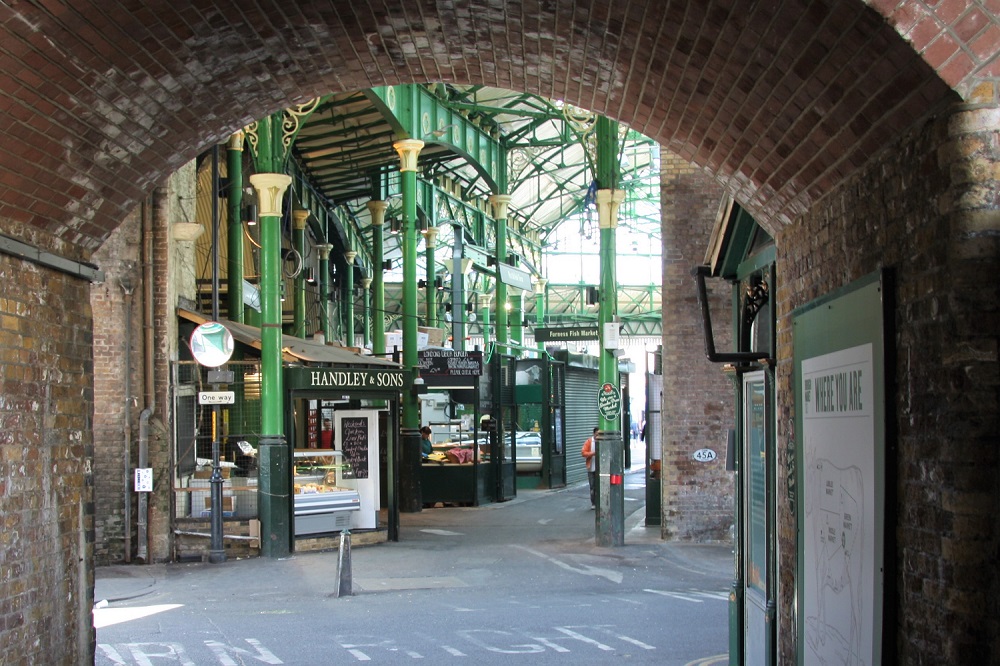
(781, 103)
(101, 101)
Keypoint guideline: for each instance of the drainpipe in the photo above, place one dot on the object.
(127, 284)
(142, 536)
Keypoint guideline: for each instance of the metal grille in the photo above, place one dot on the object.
(238, 429)
(582, 386)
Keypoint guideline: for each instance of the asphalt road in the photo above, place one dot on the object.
(508, 583)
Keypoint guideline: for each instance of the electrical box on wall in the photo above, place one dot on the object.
(611, 335)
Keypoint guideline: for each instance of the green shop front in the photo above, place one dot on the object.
(342, 426)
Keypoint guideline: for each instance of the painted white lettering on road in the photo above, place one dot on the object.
(586, 570)
(522, 648)
(221, 652)
(144, 653)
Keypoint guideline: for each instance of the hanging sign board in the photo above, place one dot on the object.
(515, 277)
(567, 333)
(370, 379)
(450, 363)
(476, 254)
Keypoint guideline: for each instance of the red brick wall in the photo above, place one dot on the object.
(114, 354)
(697, 399)
(46, 448)
(928, 209)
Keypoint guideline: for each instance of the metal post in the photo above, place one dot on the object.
(347, 301)
(517, 318)
(610, 455)
(299, 217)
(430, 240)
(457, 288)
(324, 290)
(377, 210)
(345, 584)
(234, 271)
(274, 502)
(410, 495)
(540, 285)
(366, 312)
(500, 203)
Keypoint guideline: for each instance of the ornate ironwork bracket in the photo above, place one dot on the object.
(700, 273)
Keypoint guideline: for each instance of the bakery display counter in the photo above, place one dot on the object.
(323, 499)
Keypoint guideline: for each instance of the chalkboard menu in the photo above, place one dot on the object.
(354, 446)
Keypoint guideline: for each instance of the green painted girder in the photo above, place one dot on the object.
(325, 218)
(416, 113)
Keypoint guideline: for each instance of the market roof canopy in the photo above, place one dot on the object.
(293, 349)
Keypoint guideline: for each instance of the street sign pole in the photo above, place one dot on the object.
(212, 346)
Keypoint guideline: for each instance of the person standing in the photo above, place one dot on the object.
(589, 453)
(326, 435)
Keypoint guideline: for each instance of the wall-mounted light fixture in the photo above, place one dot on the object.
(250, 214)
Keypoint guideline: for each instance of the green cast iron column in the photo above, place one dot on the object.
(366, 312)
(269, 139)
(610, 520)
(540, 284)
(234, 267)
(347, 298)
(377, 210)
(484, 316)
(410, 499)
(324, 290)
(517, 318)
(430, 239)
(500, 203)
(274, 483)
(299, 217)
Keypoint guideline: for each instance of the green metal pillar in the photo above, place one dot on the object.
(517, 318)
(430, 241)
(324, 250)
(299, 217)
(500, 203)
(366, 312)
(610, 520)
(540, 285)
(347, 299)
(410, 499)
(485, 303)
(274, 500)
(269, 139)
(377, 210)
(234, 266)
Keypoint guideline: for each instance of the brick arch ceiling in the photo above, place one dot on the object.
(101, 99)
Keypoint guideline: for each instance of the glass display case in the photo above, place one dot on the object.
(324, 499)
